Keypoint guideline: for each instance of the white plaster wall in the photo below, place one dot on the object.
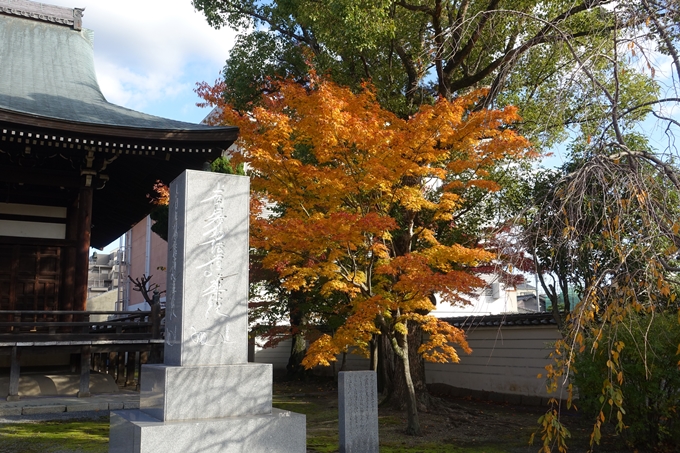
(42, 230)
(482, 302)
(278, 357)
(504, 360)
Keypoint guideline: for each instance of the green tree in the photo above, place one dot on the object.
(645, 348)
(414, 51)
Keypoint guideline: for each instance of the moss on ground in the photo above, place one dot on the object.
(322, 420)
(322, 428)
(77, 436)
(438, 448)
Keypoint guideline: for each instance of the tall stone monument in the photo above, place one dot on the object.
(206, 397)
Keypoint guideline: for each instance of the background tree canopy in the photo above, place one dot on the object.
(527, 52)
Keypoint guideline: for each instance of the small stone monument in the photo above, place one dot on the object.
(205, 397)
(358, 411)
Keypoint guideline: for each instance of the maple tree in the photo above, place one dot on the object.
(361, 201)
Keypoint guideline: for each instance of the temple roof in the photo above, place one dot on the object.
(47, 70)
(508, 319)
(57, 128)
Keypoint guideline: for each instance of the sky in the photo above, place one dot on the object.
(149, 54)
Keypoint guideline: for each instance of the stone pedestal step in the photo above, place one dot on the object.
(278, 432)
(199, 392)
(64, 404)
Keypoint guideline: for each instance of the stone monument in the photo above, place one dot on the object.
(206, 397)
(358, 411)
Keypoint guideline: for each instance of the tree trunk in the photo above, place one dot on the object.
(374, 353)
(298, 348)
(343, 364)
(386, 367)
(401, 349)
(391, 378)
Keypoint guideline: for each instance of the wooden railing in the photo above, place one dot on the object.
(64, 325)
(117, 346)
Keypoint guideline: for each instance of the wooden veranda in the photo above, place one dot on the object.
(122, 340)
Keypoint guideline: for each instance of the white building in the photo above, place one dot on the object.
(494, 299)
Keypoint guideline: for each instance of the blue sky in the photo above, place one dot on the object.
(149, 54)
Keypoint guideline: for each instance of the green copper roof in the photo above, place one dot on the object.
(47, 70)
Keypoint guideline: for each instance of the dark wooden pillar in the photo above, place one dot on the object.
(14, 374)
(120, 375)
(156, 319)
(112, 365)
(131, 367)
(143, 358)
(85, 353)
(69, 269)
(83, 247)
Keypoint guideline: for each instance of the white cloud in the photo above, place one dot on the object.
(149, 54)
(139, 90)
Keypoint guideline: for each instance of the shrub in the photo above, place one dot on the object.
(651, 379)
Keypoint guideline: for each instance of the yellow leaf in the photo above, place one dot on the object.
(596, 435)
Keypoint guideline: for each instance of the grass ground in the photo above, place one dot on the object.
(81, 436)
(459, 426)
(440, 434)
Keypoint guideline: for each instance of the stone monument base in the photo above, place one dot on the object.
(197, 392)
(278, 432)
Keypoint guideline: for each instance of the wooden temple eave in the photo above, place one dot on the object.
(120, 163)
(31, 130)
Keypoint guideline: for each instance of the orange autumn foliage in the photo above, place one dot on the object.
(161, 196)
(359, 198)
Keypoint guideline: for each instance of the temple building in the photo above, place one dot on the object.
(75, 171)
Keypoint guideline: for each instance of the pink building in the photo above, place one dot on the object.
(148, 255)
